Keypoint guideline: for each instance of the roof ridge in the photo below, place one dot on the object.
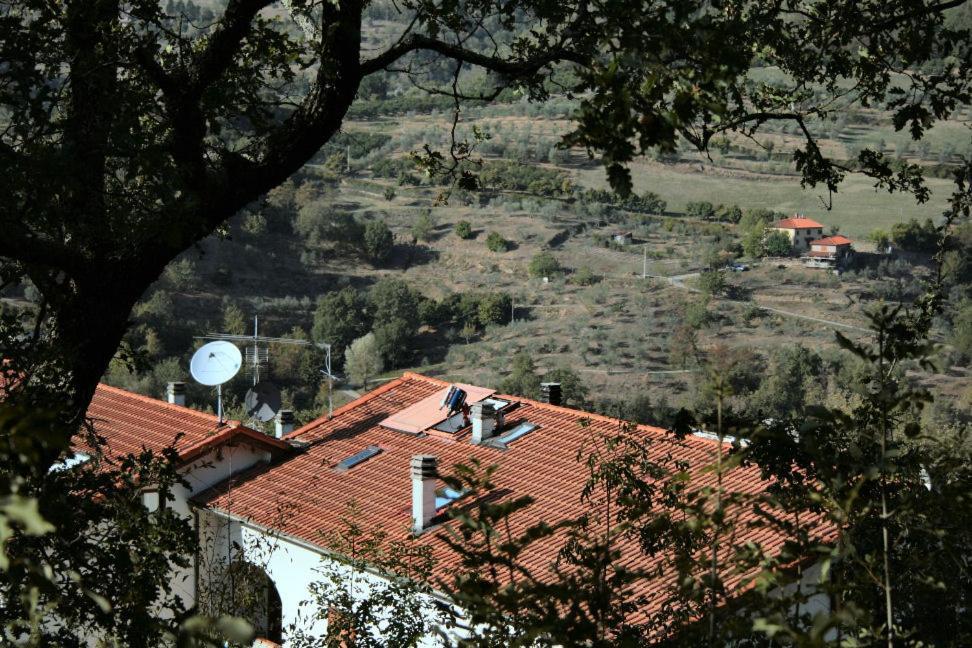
(582, 413)
(360, 400)
(166, 404)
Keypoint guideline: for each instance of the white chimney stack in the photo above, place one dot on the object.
(284, 423)
(486, 419)
(176, 393)
(424, 473)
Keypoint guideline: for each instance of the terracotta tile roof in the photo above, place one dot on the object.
(542, 464)
(130, 422)
(797, 222)
(832, 240)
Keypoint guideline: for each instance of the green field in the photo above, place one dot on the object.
(857, 208)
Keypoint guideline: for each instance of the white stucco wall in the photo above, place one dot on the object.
(291, 564)
(210, 469)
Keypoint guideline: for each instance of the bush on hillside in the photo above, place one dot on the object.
(378, 241)
(463, 229)
(496, 243)
(544, 264)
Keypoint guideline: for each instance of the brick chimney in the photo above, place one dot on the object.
(550, 392)
(284, 423)
(486, 419)
(176, 393)
(425, 471)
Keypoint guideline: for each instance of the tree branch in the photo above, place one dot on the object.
(509, 67)
(224, 43)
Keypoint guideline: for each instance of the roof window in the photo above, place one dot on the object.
(352, 461)
(520, 430)
(68, 463)
(446, 496)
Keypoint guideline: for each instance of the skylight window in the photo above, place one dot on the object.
(68, 463)
(520, 430)
(446, 496)
(355, 459)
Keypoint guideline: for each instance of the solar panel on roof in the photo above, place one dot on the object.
(355, 459)
(517, 432)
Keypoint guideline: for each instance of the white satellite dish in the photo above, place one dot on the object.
(213, 364)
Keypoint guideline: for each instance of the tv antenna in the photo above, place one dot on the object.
(214, 364)
(258, 354)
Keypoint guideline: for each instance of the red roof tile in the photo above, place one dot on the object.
(542, 464)
(832, 240)
(797, 222)
(130, 422)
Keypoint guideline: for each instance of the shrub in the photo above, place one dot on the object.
(494, 308)
(544, 264)
(777, 243)
(496, 243)
(378, 241)
(463, 229)
(389, 193)
(585, 277)
(423, 229)
(702, 209)
(712, 282)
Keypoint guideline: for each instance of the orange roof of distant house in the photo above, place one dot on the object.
(797, 222)
(542, 464)
(130, 422)
(832, 240)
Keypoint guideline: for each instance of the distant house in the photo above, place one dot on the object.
(622, 238)
(828, 252)
(800, 230)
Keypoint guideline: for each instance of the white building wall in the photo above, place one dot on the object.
(210, 469)
(293, 566)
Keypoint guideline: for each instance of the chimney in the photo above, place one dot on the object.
(424, 474)
(284, 423)
(176, 393)
(486, 419)
(550, 393)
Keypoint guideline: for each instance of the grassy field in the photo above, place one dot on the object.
(857, 208)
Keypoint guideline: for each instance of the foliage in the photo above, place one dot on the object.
(463, 229)
(341, 317)
(496, 243)
(493, 308)
(423, 229)
(394, 311)
(512, 176)
(522, 379)
(363, 359)
(573, 392)
(585, 277)
(234, 319)
(880, 239)
(790, 384)
(703, 210)
(378, 241)
(396, 611)
(914, 236)
(961, 337)
(777, 244)
(712, 282)
(544, 264)
(79, 546)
